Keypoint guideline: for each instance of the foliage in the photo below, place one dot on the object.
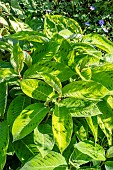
(56, 95)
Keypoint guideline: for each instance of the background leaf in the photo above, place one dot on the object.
(4, 140)
(3, 98)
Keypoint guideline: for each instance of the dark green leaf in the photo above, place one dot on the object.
(3, 98)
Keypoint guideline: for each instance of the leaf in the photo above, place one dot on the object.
(6, 74)
(84, 90)
(3, 21)
(109, 153)
(28, 119)
(5, 46)
(36, 89)
(27, 59)
(109, 165)
(80, 129)
(51, 161)
(99, 41)
(23, 148)
(17, 58)
(51, 80)
(104, 75)
(62, 126)
(80, 108)
(87, 49)
(93, 124)
(4, 140)
(15, 108)
(78, 158)
(3, 98)
(105, 121)
(19, 26)
(56, 23)
(59, 70)
(32, 36)
(43, 141)
(95, 151)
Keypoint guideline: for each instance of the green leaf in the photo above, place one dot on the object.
(79, 107)
(51, 80)
(43, 141)
(91, 149)
(19, 26)
(32, 36)
(55, 23)
(17, 59)
(87, 49)
(51, 161)
(99, 41)
(4, 140)
(104, 75)
(3, 98)
(6, 74)
(3, 21)
(109, 153)
(36, 89)
(84, 90)
(93, 124)
(5, 46)
(15, 108)
(62, 126)
(28, 119)
(78, 158)
(109, 165)
(59, 70)
(105, 121)
(27, 59)
(24, 148)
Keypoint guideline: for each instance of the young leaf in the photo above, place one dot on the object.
(17, 58)
(3, 98)
(59, 70)
(36, 89)
(62, 126)
(95, 151)
(51, 161)
(99, 41)
(4, 140)
(15, 108)
(43, 141)
(79, 107)
(84, 89)
(28, 119)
